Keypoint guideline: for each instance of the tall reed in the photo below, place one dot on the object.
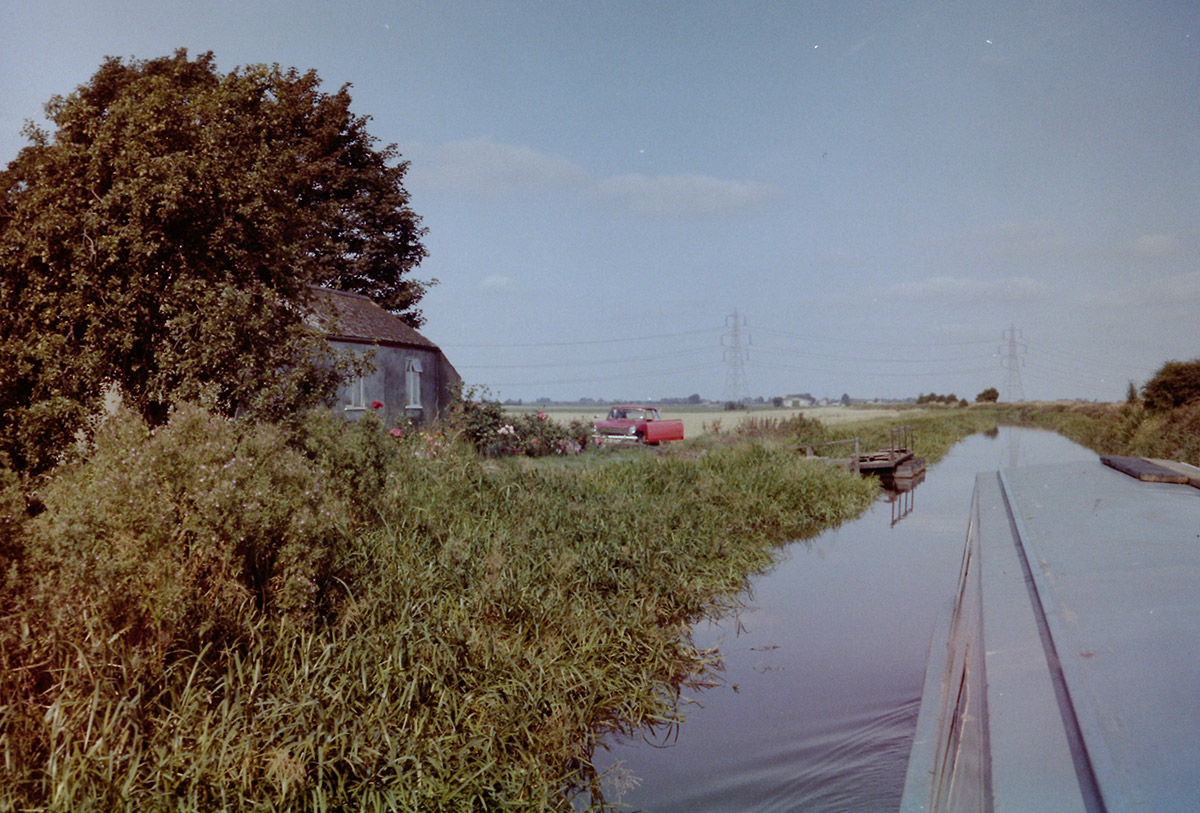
(219, 616)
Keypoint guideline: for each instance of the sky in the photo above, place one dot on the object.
(637, 200)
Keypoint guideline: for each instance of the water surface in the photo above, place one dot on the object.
(824, 667)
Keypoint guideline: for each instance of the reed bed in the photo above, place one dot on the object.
(219, 616)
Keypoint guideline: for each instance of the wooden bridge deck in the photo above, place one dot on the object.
(896, 461)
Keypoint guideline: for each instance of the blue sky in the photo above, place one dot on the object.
(879, 189)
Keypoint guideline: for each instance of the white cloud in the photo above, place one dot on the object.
(1155, 245)
(684, 194)
(959, 290)
(497, 284)
(1166, 292)
(1025, 237)
(841, 257)
(485, 168)
(480, 166)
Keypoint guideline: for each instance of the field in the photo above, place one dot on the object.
(702, 419)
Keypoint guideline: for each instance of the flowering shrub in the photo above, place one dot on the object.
(492, 432)
(425, 444)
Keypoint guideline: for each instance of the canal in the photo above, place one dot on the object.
(823, 668)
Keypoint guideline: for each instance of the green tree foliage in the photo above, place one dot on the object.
(1131, 394)
(989, 396)
(1176, 383)
(163, 238)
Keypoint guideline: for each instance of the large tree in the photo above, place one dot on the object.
(163, 238)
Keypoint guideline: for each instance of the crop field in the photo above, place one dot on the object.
(702, 419)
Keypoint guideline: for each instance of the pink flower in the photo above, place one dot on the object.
(376, 404)
(397, 432)
(542, 415)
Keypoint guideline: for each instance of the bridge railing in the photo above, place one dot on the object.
(810, 450)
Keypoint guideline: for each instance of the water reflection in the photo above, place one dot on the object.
(898, 491)
(823, 668)
(901, 499)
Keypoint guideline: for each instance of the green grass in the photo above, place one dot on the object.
(482, 625)
(224, 616)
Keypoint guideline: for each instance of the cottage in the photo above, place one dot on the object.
(412, 378)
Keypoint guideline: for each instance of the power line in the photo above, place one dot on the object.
(625, 360)
(840, 340)
(870, 360)
(590, 379)
(888, 374)
(590, 341)
(792, 353)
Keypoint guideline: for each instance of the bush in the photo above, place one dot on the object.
(1175, 384)
(494, 433)
(989, 396)
(12, 522)
(933, 398)
(176, 539)
(352, 456)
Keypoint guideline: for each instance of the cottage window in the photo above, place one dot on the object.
(356, 394)
(412, 383)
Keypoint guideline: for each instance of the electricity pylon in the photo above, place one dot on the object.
(1013, 391)
(735, 356)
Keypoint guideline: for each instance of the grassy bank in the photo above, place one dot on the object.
(1126, 429)
(220, 616)
(935, 431)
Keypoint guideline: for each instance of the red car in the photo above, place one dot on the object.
(638, 423)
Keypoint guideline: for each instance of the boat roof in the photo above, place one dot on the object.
(1085, 619)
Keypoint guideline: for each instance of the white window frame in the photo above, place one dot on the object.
(412, 383)
(357, 395)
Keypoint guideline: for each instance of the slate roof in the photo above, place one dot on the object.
(355, 318)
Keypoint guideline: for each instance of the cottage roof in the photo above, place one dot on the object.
(355, 318)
